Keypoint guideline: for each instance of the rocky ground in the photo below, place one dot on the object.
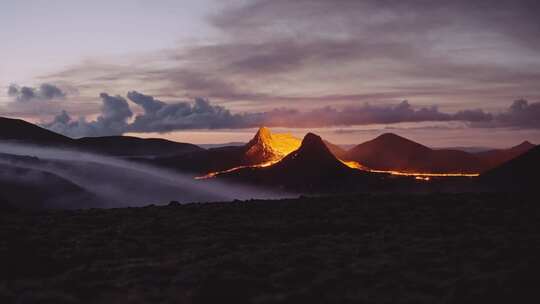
(436, 248)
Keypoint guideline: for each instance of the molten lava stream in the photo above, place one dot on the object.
(216, 173)
(416, 175)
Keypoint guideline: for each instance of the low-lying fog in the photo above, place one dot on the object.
(111, 182)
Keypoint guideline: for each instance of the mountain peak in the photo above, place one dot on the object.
(312, 141)
(527, 144)
(391, 140)
(392, 137)
(313, 156)
(268, 147)
(523, 147)
(389, 135)
(263, 133)
(314, 148)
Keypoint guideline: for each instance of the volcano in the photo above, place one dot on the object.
(264, 148)
(312, 157)
(312, 167)
(267, 147)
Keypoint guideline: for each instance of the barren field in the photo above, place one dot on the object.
(395, 248)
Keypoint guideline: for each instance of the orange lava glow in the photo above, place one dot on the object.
(425, 175)
(277, 146)
(283, 144)
(417, 175)
(214, 174)
(354, 165)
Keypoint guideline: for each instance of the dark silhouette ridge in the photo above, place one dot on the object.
(520, 173)
(22, 132)
(338, 151)
(134, 146)
(392, 152)
(494, 158)
(25, 132)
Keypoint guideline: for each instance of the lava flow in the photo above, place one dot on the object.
(214, 174)
(266, 149)
(425, 176)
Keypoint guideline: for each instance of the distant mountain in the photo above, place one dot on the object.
(338, 151)
(393, 152)
(466, 149)
(520, 173)
(312, 167)
(134, 146)
(494, 158)
(229, 144)
(22, 132)
(17, 130)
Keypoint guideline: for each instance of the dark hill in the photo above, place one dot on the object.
(25, 132)
(494, 158)
(520, 173)
(20, 131)
(134, 146)
(393, 152)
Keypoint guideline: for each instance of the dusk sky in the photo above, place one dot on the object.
(444, 73)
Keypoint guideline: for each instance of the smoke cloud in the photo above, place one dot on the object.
(113, 182)
(113, 120)
(159, 116)
(44, 92)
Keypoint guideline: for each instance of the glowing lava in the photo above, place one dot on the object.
(426, 175)
(417, 175)
(266, 149)
(214, 174)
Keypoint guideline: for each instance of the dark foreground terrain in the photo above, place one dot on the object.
(437, 248)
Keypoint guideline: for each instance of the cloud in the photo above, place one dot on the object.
(159, 116)
(113, 120)
(44, 92)
(162, 117)
(272, 53)
(521, 114)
